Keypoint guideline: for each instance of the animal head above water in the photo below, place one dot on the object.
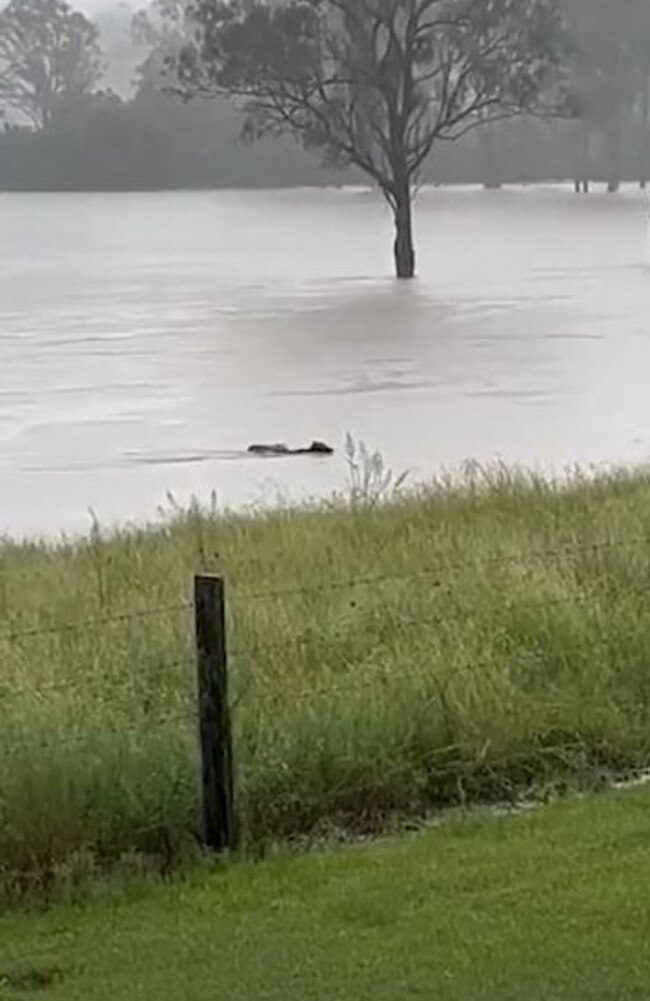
(321, 448)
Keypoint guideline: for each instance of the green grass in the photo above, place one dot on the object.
(548, 906)
(501, 641)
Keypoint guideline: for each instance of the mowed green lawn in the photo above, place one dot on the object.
(551, 904)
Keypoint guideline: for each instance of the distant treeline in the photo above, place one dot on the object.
(150, 142)
(62, 131)
(155, 141)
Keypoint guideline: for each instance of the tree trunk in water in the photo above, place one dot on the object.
(489, 161)
(644, 158)
(403, 247)
(582, 168)
(614, 140)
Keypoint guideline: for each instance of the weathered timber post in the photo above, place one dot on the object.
(220, 827)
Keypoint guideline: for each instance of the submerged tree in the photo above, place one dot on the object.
(48, 53)
(377, 83)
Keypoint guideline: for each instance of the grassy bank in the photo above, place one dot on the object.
(550, 906)
(464, 643)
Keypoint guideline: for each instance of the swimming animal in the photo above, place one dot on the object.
(279, 448)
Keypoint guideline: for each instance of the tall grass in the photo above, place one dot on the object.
(467, 639)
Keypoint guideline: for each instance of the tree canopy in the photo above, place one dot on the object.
(151, 139)
(48, 53)
(376, 83)
(611, 74)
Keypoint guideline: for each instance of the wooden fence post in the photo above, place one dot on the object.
(220, 828)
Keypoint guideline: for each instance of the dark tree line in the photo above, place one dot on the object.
(611, 78)
(49, 55)
(397, 91)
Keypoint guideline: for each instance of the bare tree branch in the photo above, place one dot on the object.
(376, 83)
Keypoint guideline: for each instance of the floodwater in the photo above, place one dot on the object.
(147, 339)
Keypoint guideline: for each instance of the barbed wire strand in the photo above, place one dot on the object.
(119, 617)
(303, 642)
(500, 560)
(396, 620)
(85, 684)
(56, 739)
(444, 568)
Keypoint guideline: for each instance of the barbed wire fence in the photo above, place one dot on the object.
(210, 702)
